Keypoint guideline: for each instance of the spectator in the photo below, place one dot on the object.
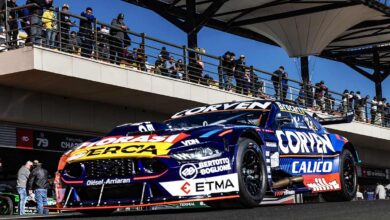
(49, 21)
(284, 85)
(350, 100)
(374, 108)
(277, 81)
(227, 70)
(357, 101)
(239, 75)
(195, 69)
(301, 101)
(12, 23)
(140, 59)
(66, 23)
(75, 43)
(118, 33)
(21, 185)
(246, 82)
(36, 21)
(320, 94)
(170, 66)
(86, 32)
(164, 53)
(380, 192)
(329, 102)
(379, 113)
(180, 69)
(103, 43)
(159, 65)
(387, 115)
(362, 109)
(38, 182)
(345, 100)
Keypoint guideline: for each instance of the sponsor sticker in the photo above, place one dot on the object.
(303, 142)
(312, 166)
(203, 186)
(107, 181)
(191, 171)
(323, 183)
(224, 107)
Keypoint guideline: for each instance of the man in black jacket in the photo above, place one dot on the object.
(38, 183)
(13, 30)
(35, 14)
(86, 32)
(117, 38)
(277, 81)
(66, 23)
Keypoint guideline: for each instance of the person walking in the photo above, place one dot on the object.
(38, 183)
(21, 185)
(118, 33)
(86, 32)
(380, 191)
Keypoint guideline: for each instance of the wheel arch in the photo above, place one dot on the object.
(252, 134)
(353, 150)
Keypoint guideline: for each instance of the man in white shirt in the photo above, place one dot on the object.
(380, 191)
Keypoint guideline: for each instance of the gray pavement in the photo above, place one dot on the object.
(373, 210)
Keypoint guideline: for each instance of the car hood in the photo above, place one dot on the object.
(129, 141)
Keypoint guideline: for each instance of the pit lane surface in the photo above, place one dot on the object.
(372, 210)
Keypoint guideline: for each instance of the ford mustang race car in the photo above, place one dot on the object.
(227, 154)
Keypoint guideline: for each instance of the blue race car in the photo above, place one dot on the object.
(227, 154)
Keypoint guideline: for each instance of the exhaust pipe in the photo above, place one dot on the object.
(287, 181)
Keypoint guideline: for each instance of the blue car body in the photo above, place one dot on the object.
(193, 156)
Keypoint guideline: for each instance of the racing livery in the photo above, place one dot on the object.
(230, 153)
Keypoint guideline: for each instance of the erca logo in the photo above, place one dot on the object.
(188, 171)
(138, 149)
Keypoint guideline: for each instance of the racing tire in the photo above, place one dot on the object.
(98, 212)
(348, 179)
(6, 206)
(252, 177)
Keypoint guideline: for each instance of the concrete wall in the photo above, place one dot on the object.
(35, 108)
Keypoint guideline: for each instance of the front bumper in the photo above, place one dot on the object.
(177, 182)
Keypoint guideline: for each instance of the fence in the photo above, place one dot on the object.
(90, 38)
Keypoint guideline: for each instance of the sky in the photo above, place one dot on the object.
(337, 76)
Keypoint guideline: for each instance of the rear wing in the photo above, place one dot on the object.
(330, 120)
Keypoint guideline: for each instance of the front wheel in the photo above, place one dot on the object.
(348, 179)
(6, 206)
(252, 177)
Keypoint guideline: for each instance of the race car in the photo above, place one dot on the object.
(227, 154)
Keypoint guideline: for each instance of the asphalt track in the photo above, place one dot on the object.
(372, 210)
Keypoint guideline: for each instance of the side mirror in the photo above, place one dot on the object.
(282, 120)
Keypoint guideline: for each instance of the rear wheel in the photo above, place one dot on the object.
(252, 176)
(6, 206)
(348, 179)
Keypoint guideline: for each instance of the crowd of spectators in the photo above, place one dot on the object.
(49, 28)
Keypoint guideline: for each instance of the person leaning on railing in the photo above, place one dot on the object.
(118, 35)
(35, 14)
(86, 32)
(239, 75)
(65, 24)
(12, 23)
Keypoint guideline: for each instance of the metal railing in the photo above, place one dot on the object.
(92, 39)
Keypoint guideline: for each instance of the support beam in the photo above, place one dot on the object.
(192, 40)
(207, 15)
(378, 89)
(306, 78)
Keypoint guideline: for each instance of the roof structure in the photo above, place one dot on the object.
(355, 32)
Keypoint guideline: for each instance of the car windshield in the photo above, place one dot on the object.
(254, 118)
